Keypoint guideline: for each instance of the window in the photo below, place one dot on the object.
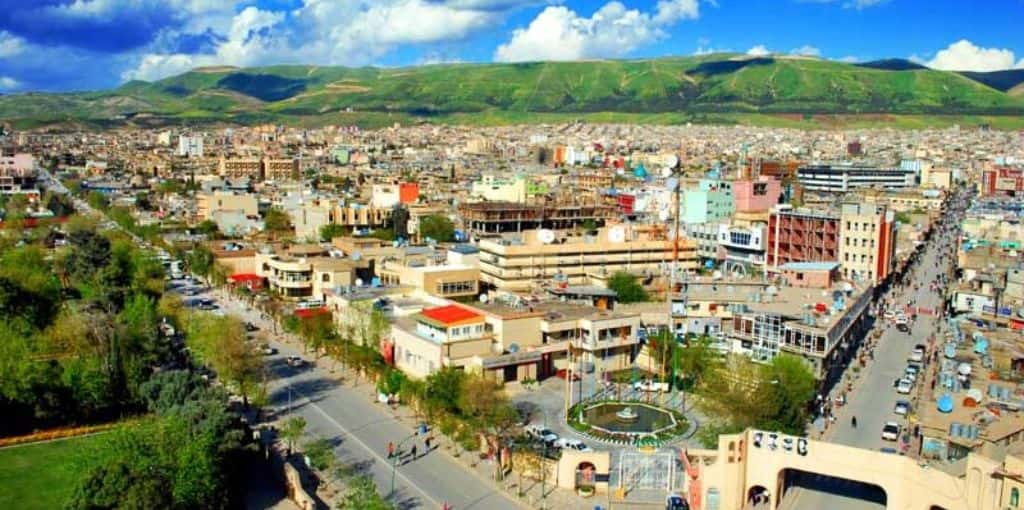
(463, 287)
(799, 276)
(327, 277)
(1014, 497)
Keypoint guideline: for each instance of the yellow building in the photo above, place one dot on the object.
(207, 204)
(522, 263)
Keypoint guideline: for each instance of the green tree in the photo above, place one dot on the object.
(97, 200)
(293, 430)
(201, 261)
(277, 221)
(332, 230)
(787, 386)
(220, 342)
(90, 252)
(444, 389)
(438, 228)
(208, 228)
(696, 359)
(362, 495)
(627, 288)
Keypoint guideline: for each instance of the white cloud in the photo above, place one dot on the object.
(10, 44)
(759, 51)
(964, 55)
(8, 83)
(312, 34)
(559, 33)
(806, 51)
(849, 4)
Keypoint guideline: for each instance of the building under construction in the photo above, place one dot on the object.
(482, 218)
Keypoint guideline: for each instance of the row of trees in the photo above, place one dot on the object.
(78, 330)
(182, 456)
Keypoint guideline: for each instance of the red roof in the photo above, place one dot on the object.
(306, 313)
(450, 314)
(245, 277)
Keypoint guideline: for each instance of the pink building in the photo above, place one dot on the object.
(756, 196)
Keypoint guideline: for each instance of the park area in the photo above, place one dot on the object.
(40, 475)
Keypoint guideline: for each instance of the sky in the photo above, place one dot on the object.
(64, 45)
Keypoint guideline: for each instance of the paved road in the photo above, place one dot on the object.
(874, 397)
(362, 429)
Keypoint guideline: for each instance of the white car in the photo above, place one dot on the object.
(904, 386)
(891, 431)
(295, 361)
(649, 385)
(902, 408)
(572, 444)
(541, 433)
(916, 356)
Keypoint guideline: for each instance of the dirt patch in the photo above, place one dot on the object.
(347, 88)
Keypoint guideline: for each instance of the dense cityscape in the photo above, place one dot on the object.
(511, 255)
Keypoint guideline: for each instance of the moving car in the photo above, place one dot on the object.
(267, 350)
(891, 431)
(902, 407)
(541, 433)
(572, 444)
(295, 361)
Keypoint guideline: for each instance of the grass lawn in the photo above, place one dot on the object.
(40, 476)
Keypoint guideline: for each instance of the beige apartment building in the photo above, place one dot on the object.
(241, 167)
(521, 263)
(280, 169)
(449, 281)
(207, 204)
(866, 241)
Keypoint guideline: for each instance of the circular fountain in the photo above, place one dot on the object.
(627, 414)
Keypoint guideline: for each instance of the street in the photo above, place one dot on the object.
(873, 397)
(361, 430)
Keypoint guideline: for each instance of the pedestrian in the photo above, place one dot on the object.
(391, 449)
(426, 443)
(413, 450)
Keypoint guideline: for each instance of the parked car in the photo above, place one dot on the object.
(572, 444)
(295, 361)
(902, 408)
(891, 431)
(904, 386)
(651, 385)
(250, 327)
(903, 327)
(911, 371)
(267, 350)
(916, 356)
(541, 433)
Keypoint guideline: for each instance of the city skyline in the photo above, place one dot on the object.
(91, 44)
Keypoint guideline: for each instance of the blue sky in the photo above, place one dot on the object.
(90, 44)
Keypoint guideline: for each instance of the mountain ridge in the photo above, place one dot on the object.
(697, 85)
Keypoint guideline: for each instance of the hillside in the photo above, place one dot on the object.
(699, 85)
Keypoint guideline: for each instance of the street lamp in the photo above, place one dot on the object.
(398, 448)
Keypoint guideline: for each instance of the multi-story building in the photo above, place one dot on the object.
(449, 281)
(190, 146)
(843, 178)
(280, 169)
(866, 241)
(1003, 181)
(208, 204)
(238, 168)
(520, 263)
(756, 195)
(743, 245)
(17, 174)
(388, 195)
(499, 217)
(444, 336)
(712, 201)
(801, 235)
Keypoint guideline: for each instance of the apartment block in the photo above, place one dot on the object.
(520, 263)
(866, 241)
(801, 235)
(208, 204)
(759, 195)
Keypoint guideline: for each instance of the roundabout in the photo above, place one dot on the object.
(627, 422)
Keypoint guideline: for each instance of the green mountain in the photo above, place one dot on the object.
(697, 86)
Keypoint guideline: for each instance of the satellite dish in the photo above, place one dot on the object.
(671, 161)
(617, 234)
(546, 236)
(484, 298)
(671, 183)
(717, 275)
(359, 282)
(666, 172)
(664, 215)
(513, 347)
(356, 255)
(771, 290)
